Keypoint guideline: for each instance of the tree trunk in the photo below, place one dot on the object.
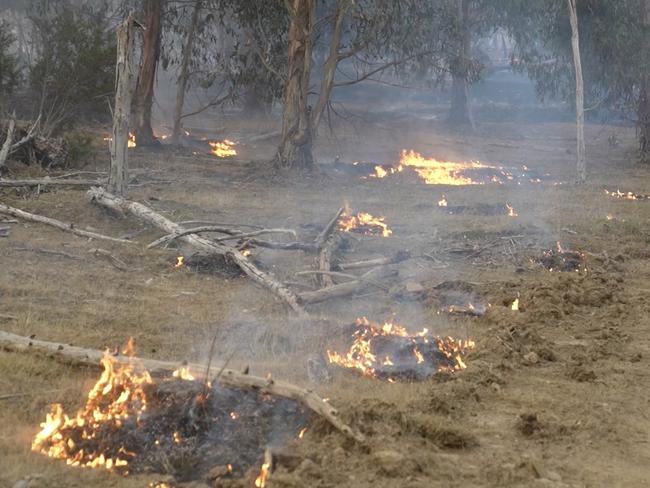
(146, 78)
(331, 63)
(460, 112)
(295, 151)
(643, 109)
(581, 166)
(184, 73)
(118, 174)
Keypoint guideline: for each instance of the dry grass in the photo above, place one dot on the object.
(457, 431)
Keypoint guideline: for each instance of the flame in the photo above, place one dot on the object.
(373, 224)
(433, 171)
(301, 434)
(223, 149)
(180, 260)
(131, 142)
(511, 211)
(515, 305)
(117, 396)
(442, 202)
(361, 355)
(260, 481)
(183, 373)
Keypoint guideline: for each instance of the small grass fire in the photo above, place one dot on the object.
(561, 259)
(389, 352)
(456, 173)
(364, 223)
(175, 425)
(223, 149)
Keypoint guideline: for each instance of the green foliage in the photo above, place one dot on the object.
(9, 73)
(75, 68)
(610, 47)
(79, 145)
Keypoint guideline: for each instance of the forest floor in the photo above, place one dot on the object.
(556, 394)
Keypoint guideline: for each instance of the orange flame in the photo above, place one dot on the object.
(117, 395)
(361, 357)
(223, 149)
(348, 223)
(260, 481)
(180, 260)
(511, 211)
(183, 373)
(515, 305)
(131, 142)
(442, 202)
(433, 171)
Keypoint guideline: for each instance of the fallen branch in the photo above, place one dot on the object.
(232, 234)
(50, 252)
(64, 226)
(27, 138)
(397, 258)
(115, 262)
(263, 137)
(92, 357)
(4, 152)
(49, 182)
(328, 242)
(121, 205)
(361, 283)
(196, 230)
(283, 246)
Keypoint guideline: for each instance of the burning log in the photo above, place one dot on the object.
(370, 278)
(390, 352)
(365, 223)
(628, 195)
(226, 377)
(121, 206)
(64, 226)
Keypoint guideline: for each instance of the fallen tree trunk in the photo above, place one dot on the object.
(92, 357)
(64, 226)
(49, 182)
(343, 289)
(122, 206)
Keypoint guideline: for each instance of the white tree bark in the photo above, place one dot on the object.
(118, 175)
(581, 165)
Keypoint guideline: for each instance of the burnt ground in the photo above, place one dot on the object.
(555, 394)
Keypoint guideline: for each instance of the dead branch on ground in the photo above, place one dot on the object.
(64, 226)
(141, 211)
(92, 357)
(49, 182)
(370, 278)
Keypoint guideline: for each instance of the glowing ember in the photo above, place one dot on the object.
(364, 223)
(116, 398)
(260, 481)
(515, 305)
(180, 260)
(561, 259)
(442, 202)
(627, 195)
(388, 351)
(223, 149)
(511, 211)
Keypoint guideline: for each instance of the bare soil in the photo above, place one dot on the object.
(555, 394)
